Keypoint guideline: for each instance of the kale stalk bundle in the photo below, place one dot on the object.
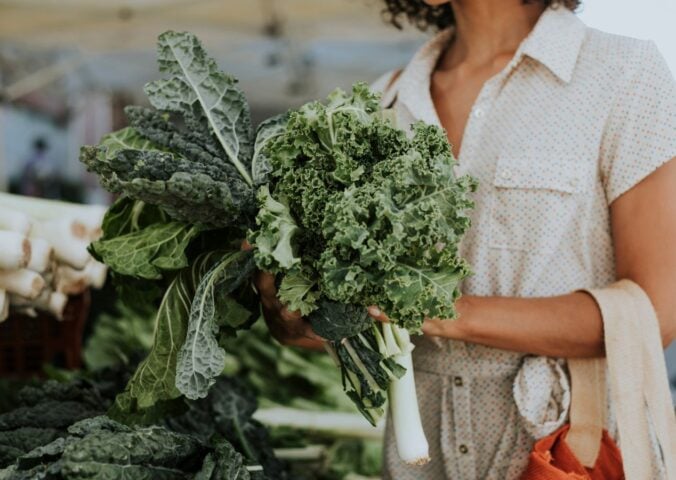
(356, 213)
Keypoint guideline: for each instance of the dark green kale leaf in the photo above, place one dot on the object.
(192, 156)
(198, 90)
(335, 321)
(224, 463)
(227, 412)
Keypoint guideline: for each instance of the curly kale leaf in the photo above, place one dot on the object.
(394, 242)
(273, 240)
(297, 291)
(266, 132)
(377, 215)
(359, 213)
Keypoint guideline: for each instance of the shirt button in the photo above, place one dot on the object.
(478, 112)
(463, 449)
(506, 174)
(457, 381)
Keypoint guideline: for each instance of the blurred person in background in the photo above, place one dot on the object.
(39, 176)
(571, 134)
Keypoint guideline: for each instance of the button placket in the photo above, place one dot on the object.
(476, 119)
(463, 435)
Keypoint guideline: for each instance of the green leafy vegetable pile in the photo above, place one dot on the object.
(102, 448)
(342, 204)
(58, 431)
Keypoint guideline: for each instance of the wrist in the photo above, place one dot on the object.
(459, 328)
(463, 325)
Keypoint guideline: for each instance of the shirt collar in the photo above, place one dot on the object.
(555, 42)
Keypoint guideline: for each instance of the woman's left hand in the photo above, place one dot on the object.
(435, 327)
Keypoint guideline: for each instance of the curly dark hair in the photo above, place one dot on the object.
(424, 16)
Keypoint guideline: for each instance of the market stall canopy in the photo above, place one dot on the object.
(283, 51)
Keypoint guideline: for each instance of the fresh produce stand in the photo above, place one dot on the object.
(345, 207)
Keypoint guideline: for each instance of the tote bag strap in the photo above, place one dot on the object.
(587, 408)
(638, 384)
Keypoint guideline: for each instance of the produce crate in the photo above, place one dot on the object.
(27, 343)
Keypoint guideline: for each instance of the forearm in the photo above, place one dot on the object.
(563, 326)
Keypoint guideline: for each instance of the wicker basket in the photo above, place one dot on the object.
(27, 343)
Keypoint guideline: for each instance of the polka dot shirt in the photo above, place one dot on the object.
(577, 118)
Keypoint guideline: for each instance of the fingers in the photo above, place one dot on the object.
(289, 315)
(265, 283)
(246, 246)
(377, 314)
(433, 327)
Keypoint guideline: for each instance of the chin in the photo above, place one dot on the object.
(435, 3)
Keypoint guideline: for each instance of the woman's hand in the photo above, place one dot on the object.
(436, 327)
(289, 328)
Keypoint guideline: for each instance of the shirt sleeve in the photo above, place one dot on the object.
(640, 135)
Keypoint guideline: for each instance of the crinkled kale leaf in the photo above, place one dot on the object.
(359, 213)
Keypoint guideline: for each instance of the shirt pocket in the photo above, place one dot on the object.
(535, 199)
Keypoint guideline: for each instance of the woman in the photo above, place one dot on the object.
(571, 134)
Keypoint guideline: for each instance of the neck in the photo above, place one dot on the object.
(487, 29)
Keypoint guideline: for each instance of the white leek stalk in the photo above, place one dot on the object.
(90, 216)
(22, 282)
(15, 250)
(96, 273)
(14, 221)
(70, 281)
(41, 255)
(48, 301)
(68, 247)
(412, 444)
(350, 425)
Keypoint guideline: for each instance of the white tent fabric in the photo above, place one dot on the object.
(283, 51)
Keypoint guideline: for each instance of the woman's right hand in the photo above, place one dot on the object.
(289, 328)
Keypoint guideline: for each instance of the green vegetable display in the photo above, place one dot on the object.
(58, 431)
(340, 203)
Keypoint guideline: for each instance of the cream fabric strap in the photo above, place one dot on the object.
(587, 408)
(638, 385)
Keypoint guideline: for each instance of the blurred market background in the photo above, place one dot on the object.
(68, 67)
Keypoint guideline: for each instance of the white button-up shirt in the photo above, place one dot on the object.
(577, 118)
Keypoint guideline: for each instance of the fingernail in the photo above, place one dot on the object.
(375, 311)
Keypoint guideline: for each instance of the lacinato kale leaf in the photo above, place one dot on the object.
(201, 359)
(192, 155)
(199, 91)
(335, 321)
(154, 379)
(148, 252)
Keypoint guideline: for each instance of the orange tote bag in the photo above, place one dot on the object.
(552, 459)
